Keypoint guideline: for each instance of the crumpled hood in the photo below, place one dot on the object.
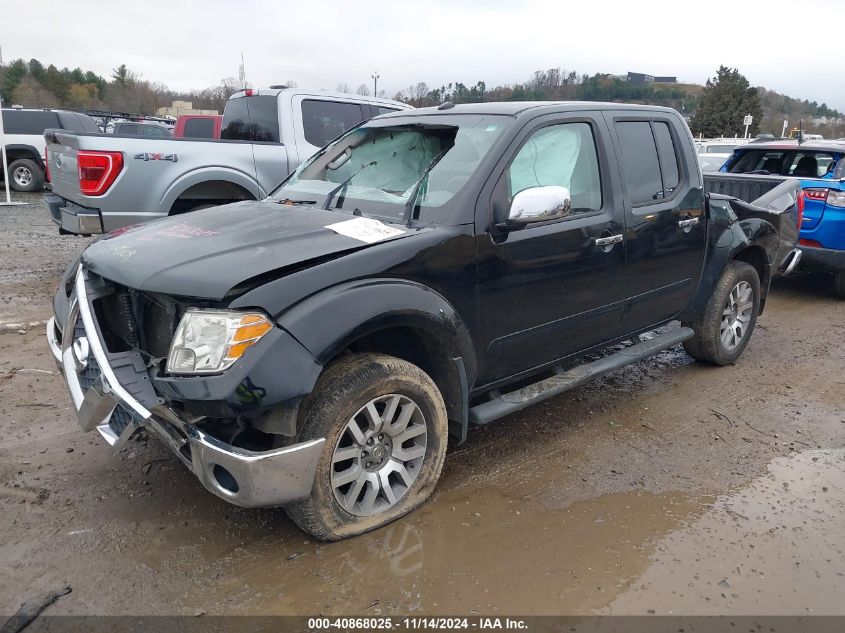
(207, 253)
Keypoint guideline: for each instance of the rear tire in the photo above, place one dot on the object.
(725, 324)
(839, 284)
(26, 175)
(385, 426)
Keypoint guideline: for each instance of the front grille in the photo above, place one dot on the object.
(120, 419)
(133, 320)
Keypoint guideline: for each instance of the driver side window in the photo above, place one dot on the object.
(563, 155)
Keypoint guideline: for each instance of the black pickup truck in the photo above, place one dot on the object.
(427, 271)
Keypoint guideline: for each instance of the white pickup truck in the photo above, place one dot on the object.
(102, 182)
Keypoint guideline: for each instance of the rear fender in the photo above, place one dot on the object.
(731, 238)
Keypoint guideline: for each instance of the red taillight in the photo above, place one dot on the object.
(800, 203)
(248, 92)
(816, 194)
(97, 171)
(811, 243)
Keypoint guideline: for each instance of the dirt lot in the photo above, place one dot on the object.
(668, 487)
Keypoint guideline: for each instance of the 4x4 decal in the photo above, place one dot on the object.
(156, 156)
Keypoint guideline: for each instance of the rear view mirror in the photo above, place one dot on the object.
(540, 204)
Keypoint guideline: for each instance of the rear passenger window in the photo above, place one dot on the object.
(326, 120)
(649, 160)
(253, 118)
(29, 121)
(383, 110)
(668, 157)
(639, 161)
(264, 118)
(563, 155)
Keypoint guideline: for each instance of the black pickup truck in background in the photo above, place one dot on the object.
(427, 271)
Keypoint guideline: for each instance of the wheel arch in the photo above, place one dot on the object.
(396, 317)
(208, 185)
(16, 151)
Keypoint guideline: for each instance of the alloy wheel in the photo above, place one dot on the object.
(22, 176)
(736, 316)
(378, 455)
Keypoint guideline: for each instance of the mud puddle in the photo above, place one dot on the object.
(765, 548)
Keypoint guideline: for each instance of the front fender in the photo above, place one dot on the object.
(331, 320)
(208, 174)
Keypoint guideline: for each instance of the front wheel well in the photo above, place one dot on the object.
(425, 350)
(212, 192)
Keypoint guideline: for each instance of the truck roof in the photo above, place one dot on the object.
(318, 93)
(832, 146)
(514, 108)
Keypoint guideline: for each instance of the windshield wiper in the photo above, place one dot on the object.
(289, 201)
(410, 206)
(328, 201)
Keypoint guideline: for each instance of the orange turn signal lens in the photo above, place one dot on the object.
(248, 332)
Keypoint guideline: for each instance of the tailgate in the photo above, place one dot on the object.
(64, 176)
(780, 208)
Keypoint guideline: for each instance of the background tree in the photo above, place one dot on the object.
(31, 94)
(13, 74)
(727, 98)
(343, 87)
(363, 90)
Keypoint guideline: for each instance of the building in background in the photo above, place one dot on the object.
(181, 107)
(642, 78)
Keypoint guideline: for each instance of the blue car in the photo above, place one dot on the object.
(821, 168)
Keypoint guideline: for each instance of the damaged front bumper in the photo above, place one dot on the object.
(112, 393)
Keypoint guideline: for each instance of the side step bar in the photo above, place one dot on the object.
(511, 402)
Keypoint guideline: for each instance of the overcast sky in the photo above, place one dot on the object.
(783, 45)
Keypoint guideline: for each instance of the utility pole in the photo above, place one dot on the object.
(375, 77)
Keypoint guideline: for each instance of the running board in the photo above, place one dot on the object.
(504, 404)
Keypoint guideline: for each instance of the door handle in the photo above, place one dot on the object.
(687, 224)
(607, 242)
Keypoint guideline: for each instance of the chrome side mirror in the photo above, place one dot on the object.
(539, 204)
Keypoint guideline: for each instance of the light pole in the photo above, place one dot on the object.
(375, 77)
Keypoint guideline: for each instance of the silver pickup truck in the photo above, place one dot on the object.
(102, 182)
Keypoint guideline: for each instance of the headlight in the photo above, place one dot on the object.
(210, 341)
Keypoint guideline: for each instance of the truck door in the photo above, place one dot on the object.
(550, 289)
(665, 227)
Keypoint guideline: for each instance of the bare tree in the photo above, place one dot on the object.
(342, 87)
(31, 94)
(290, 83)
(416, 94)
(363, 90)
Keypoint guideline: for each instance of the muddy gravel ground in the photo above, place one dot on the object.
(667, 487)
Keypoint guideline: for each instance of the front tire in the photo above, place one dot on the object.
(386, 430)
(724, 326)
(26, 175)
